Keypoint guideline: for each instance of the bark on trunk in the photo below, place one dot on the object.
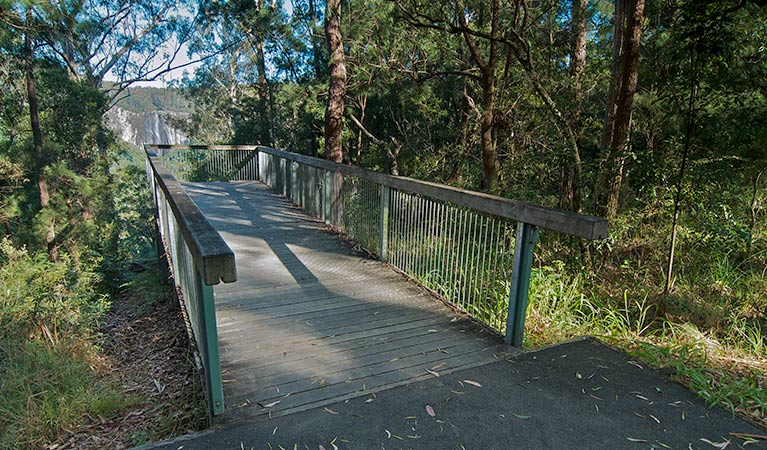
(264, 94)
(578, 57)
(487, 82)
(37, 137)
(487, 140)
(615, 137)
(571, 190)
(334, 112)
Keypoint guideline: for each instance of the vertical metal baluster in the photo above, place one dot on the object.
(453, 251)
(425, 245)
(373, 215)
(479, 263)
(431, 241)
(476, 255)
(373, 212)
(443, 258)
(403, 232)
(482, 242)
(425, 249)
(487, 254)
(465, 259)
(394, 235)
(420, 219)
(409, 232)
(438, 244)
(417, 220)
(459, 257)
(470, 259)
(503, 264)
(461, 245)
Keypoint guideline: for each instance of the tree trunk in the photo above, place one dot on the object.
(37, 136)
(263, 93)
(487, 82)
(690, 126)
(578, 57)
(334, 111)
(266, 134)
(623, 83)
(571, 191)
(487, 141)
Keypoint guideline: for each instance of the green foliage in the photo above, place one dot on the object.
(49, 313)
(48, 300)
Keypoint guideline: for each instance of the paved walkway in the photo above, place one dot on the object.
(309, 322)
(579, 395)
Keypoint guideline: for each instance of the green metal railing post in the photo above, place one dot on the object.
(208, 342)
(383, 224)
(521, 267)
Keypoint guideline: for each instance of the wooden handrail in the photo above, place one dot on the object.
(567, 222)
(212, 256)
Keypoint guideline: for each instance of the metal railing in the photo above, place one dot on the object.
(198, 258)
(474, 250)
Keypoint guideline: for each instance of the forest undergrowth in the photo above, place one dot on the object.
(93, 349)
(710, 331)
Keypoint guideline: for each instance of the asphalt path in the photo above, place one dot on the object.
(577, 395)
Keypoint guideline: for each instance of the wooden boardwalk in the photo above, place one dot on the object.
(310, 322)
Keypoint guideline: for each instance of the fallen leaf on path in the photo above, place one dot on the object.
(430, 411)
(328, 410)
(473, 383)
(720, 445)
(436, 374)
(269, 405)
(635, 439)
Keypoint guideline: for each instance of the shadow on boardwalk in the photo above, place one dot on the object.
(309, 322)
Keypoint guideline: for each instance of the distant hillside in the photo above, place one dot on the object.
(146, 99)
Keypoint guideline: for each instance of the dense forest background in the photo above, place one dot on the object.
(652, 113)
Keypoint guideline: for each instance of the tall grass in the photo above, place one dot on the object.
(48, 365)
(725, 365)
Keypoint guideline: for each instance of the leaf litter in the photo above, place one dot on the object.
(145, 354)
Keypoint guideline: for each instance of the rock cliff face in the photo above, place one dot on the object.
(138, 128)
